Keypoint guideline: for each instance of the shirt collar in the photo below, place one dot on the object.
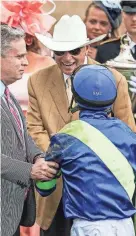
(2, 88)
(132, 43)
(66, 76)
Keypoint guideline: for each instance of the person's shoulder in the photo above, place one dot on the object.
(110, 42)
(118, 76)
(45, 70)
(45, 73)
(126, 130)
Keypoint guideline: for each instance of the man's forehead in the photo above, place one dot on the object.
(17, 47)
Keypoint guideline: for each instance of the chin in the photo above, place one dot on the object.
(69, 72)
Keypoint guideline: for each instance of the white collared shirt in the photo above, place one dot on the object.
(67, 76)
(2, 88)
(68, 90)
(132, 43)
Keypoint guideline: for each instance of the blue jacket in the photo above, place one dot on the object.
(90, 190)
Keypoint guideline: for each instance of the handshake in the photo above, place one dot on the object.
(44, 170)
(132, 82)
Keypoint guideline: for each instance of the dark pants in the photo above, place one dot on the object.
(60, 226)
(17, 233)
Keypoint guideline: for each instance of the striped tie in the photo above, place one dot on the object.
(68, 89)
(13, 110)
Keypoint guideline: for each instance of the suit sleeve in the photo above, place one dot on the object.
(54, 153)
(122, 106)
(33, 152)
(15, 171)
(34, 121)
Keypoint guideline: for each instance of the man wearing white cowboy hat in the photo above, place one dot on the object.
(49, 98)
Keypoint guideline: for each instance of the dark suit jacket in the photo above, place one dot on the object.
(109, 50)
(17, 155)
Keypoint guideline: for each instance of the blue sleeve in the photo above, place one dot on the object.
(54, 153)
(55, 150)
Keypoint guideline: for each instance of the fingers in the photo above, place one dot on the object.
(53, 164)
(51, 169)
(44, 170)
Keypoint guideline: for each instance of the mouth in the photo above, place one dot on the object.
(21, 71)
(68, 64)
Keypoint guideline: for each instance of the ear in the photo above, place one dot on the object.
(86, 50)
(29, 39)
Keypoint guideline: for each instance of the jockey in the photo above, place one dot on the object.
(97, 158)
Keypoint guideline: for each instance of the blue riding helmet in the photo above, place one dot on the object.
(94, 87)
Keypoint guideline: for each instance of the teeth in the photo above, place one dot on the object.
(68, 64)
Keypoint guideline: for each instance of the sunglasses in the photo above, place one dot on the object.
(74, 52)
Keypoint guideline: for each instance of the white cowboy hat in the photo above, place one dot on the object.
(69, 33)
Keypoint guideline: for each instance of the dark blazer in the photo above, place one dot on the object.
(109, 50)
(17, 155)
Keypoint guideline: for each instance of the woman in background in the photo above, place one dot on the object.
(102, 17)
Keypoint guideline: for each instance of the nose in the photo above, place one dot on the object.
(67, 56)
(134, 17)
(24, 61)
(97, 25)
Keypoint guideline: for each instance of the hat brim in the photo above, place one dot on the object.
(65, 46)
(129, 9)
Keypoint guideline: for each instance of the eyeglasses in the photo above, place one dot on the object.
(74, 52)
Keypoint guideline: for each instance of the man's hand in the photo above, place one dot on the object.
(132, 82)
(44, 170)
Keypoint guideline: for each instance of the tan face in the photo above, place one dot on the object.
(68, 63)
(97, 23)
(130, 23)
(14, 62)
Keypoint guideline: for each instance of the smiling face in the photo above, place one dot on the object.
(14, 61)
(97, 22)
(68, 62)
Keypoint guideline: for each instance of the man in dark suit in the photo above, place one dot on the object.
(21, 159)
(111, 48)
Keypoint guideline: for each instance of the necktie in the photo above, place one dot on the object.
(134, 53)
(68, 89)
(13, 110)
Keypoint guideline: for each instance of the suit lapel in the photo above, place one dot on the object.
(58, 92)
(133, 54)
(6, 109)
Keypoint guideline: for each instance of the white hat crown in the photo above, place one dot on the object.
(69, 33)
(70, 29)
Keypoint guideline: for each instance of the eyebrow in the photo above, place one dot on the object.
(21, 55)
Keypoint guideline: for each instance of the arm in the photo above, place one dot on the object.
(54, 153)
(15, 171)
(20, 172)
(122, 105)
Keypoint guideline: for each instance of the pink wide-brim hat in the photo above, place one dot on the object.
(28, 15)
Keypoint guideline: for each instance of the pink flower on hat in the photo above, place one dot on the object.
(27, 15)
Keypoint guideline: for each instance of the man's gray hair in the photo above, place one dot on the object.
(9, 34)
